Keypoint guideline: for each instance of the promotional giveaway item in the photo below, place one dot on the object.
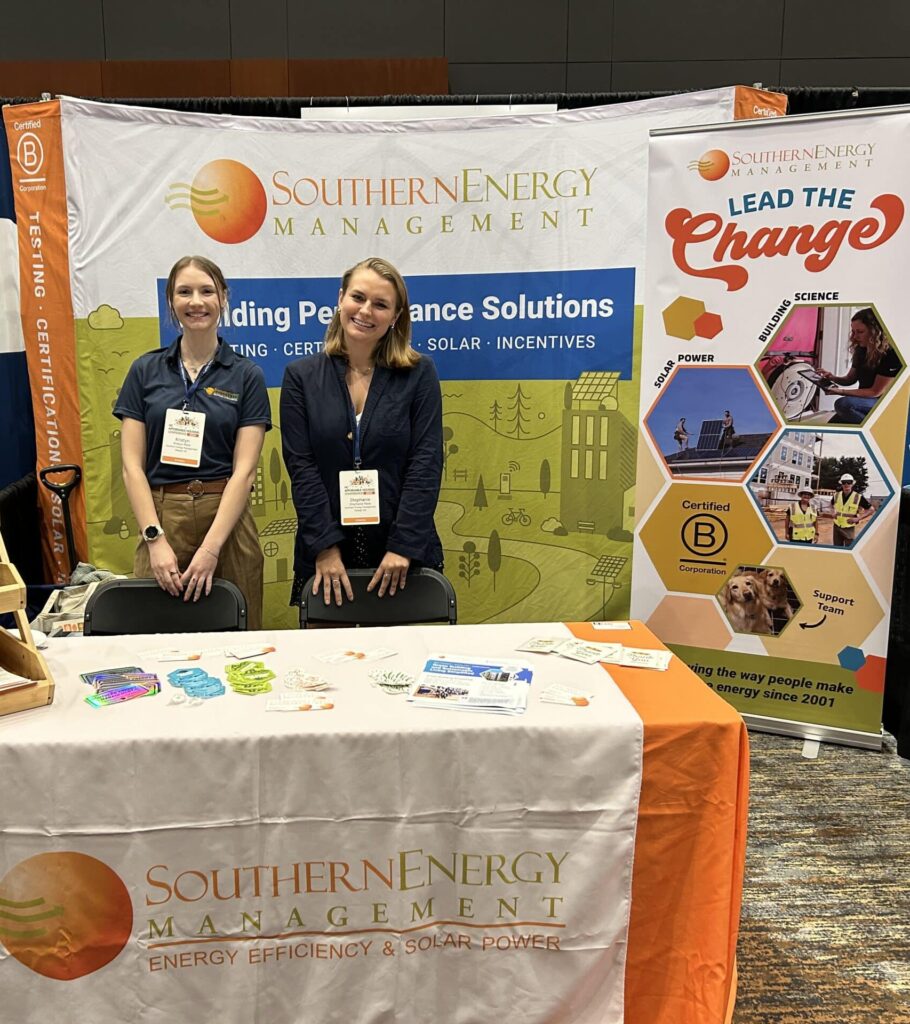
(250, 678)
(296, 679)
(557, 694)
(391, 680)
(340, 656)
(292, 702)
(116, 685)
(196, 682)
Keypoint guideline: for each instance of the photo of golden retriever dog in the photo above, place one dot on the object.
(774, 590)
(741, 599)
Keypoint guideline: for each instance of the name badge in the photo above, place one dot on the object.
(359, 497)
(182, 441)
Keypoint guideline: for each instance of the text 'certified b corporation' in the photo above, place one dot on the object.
(696, 541)
(704, 534)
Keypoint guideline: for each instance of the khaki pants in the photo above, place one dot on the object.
(186, 521)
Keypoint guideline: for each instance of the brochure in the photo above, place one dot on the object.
(469, 682)
(10, 681)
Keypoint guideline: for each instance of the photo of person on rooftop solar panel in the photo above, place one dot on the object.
(697, 436)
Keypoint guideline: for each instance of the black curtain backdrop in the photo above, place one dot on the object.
(802, 100)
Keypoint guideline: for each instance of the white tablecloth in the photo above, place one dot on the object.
(377, 862)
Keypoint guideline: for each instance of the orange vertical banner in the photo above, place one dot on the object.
(39, 187)
(750, 102)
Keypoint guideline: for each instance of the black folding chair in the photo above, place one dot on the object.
(120, 607)
(427, 597)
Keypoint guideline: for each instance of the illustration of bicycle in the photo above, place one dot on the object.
(516, 515)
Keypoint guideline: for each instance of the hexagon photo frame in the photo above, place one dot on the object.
(711, 422)
(759, 599)
(820, 487)
(830, 364)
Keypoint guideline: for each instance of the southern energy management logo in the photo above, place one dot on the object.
(226, 198)
(64, 915)
(712, 166)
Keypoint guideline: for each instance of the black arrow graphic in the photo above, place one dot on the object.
(813, 625)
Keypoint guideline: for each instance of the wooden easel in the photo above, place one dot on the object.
(20, 656)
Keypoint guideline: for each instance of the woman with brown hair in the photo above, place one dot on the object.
(361, 429)
(194, 416)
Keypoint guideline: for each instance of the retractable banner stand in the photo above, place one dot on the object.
(521, 239)
(774, 411)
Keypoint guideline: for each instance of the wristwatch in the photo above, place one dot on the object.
(151, 533)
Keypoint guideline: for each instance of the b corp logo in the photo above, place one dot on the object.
(30, 153)
(704, 535)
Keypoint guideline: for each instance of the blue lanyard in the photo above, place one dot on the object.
(188, 388)
(355, 430)
(352, 419)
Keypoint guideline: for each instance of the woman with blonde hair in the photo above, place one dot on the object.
(361, 430)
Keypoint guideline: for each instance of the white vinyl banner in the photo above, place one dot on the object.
(522, 242)
(371, 862)
(774, 408)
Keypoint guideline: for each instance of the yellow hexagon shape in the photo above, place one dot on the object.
(697, 535)
(680, 316)
(838, 606)
(673, 618)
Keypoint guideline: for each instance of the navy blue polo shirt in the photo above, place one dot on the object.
(232, 395)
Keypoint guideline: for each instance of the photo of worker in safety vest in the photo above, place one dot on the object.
(802, 519)
(850, 509)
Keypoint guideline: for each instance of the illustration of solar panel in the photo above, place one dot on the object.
(595, 385)
(278, 526)
(711, 433)
(608, 567)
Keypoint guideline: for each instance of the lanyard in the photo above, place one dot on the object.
(355, 434)
(355, 431)
(188, 388)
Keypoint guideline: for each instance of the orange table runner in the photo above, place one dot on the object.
(691, 842)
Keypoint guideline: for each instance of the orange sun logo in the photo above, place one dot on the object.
(226, 198)
(712, 166)
(64, 915)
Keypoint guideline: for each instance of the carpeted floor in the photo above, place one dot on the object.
(825, 931)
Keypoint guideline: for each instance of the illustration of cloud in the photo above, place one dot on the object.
(550, 525)
(105, 318)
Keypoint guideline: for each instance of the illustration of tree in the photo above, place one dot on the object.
(831, 470)
(545, 477)
(469, 562)
(275, 470)
(495, 415)
(518, 406)
(284, 494)
(567, 396)
(480, 495)
(494, 555)
(447, 449)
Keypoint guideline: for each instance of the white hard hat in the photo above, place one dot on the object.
(846, 478)
(806, 490)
